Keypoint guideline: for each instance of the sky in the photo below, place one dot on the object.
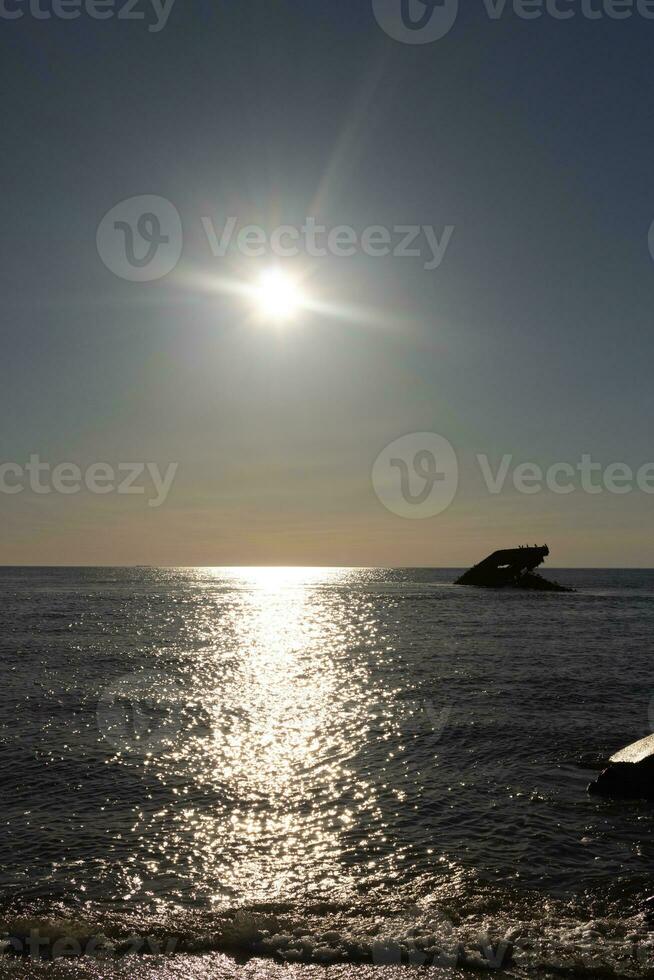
(524, 146)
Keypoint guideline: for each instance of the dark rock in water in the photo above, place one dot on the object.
(513, 568)
(629, 774)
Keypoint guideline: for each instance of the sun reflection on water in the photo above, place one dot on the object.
(286, 710)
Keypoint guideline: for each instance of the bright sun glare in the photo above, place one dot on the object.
(278, 296)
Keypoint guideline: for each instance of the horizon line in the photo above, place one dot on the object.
(589, 568)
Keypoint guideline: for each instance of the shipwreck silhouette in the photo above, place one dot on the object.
(513, 568)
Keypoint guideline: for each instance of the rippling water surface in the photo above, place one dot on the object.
(327, 764)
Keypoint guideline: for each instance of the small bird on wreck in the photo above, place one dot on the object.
(512, 568)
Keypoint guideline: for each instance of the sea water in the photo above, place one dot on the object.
(322, 766)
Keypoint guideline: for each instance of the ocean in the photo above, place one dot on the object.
(211, 772)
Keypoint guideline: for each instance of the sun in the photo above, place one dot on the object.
(278, 296)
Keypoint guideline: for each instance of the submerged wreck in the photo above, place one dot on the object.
(513, 568)
(629, 774)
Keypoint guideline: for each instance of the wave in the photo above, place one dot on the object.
(489, 932)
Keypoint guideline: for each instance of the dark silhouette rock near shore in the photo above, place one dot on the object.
(512, 568)
(629, 774)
